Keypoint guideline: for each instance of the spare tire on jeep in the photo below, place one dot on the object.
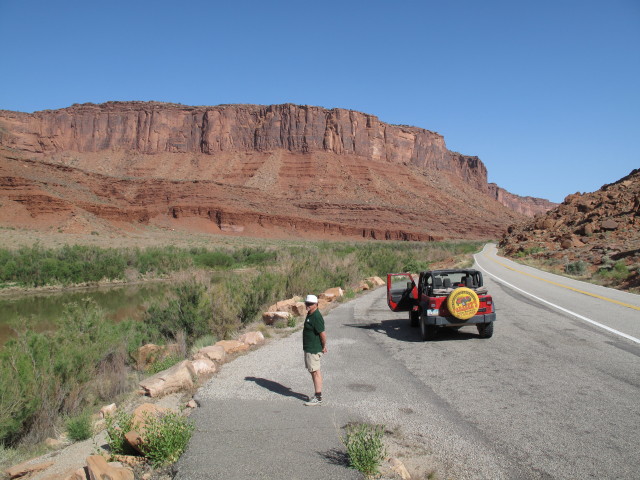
(463, 303)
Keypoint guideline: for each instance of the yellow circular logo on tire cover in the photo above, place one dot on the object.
(463, 303)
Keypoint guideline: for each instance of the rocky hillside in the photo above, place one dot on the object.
(596, 232)
(275, 171)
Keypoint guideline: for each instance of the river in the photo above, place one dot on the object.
(39, 311)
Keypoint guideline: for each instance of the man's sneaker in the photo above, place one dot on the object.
(313, 402)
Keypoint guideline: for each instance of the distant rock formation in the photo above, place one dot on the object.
(277, 171)
(529, 206)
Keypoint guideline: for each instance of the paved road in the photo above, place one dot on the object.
(551, 395)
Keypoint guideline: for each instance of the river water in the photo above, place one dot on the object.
(39, 311)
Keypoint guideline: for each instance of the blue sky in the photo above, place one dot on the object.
(546, 93)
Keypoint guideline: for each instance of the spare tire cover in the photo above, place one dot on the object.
(463, 303)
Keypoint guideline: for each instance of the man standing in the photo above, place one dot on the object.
(314, 344)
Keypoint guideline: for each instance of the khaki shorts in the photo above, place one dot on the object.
(312, 361)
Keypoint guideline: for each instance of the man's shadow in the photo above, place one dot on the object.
(276, 387)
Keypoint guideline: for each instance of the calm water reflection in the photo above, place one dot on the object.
(39, 312)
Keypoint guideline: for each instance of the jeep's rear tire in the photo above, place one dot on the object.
(414, 318)
(427, 332)
(485, 330)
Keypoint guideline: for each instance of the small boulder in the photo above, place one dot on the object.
(269, 318)
(150, 353)
(27, 468)
(203, 366)
(334, 293)
(293, 306)
(214, 353)
(232, 346)
(609, 224)
(99, 469)
(107, 410)
(252, 338)
(174, 379)
(377, 281)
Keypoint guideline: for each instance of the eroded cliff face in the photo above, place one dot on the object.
(277, 170)
(528, 206)
(154, 128)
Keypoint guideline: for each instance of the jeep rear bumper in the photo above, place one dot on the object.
(456, 322)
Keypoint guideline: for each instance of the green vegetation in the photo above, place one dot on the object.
(79, 427)
(37, 266)
(618, 271)
(365, 448)
(163, 364)
(118, 425)
(529, 251)
(576, 268)
(87, 360)
(166, 438)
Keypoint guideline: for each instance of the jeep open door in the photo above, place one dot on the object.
(402, 292)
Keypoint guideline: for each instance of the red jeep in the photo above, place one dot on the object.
(442, 299)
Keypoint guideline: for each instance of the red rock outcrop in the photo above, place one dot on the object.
(599, 229)
(529, 206)
(278, 171)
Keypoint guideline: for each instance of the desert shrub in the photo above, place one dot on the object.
(214, 259)
(619, 271)
(291, 322)
(166, 437)
(117, 426)
(576, 268)
(188, 311)
(79, 428)
(46, 375)
(365, 448)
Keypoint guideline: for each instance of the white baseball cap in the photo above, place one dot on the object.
(311, 299)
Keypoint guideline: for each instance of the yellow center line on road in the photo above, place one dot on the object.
(563, 286)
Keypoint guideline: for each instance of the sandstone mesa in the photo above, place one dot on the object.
(278, 171)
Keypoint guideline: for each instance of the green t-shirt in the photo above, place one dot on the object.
(313, 327)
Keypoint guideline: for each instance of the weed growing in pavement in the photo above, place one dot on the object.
(365, 448)
(166, 437)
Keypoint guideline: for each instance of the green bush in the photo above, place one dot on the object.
(117, 426)
(619, 271)
(166, 437)
(189, 312)
(365, 448)
(576, 268)
(79, 428)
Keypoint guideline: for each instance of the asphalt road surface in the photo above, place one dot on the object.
(555, 393)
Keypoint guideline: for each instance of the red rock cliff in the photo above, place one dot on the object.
(153, 128)
(529, 206)
(278, 170)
